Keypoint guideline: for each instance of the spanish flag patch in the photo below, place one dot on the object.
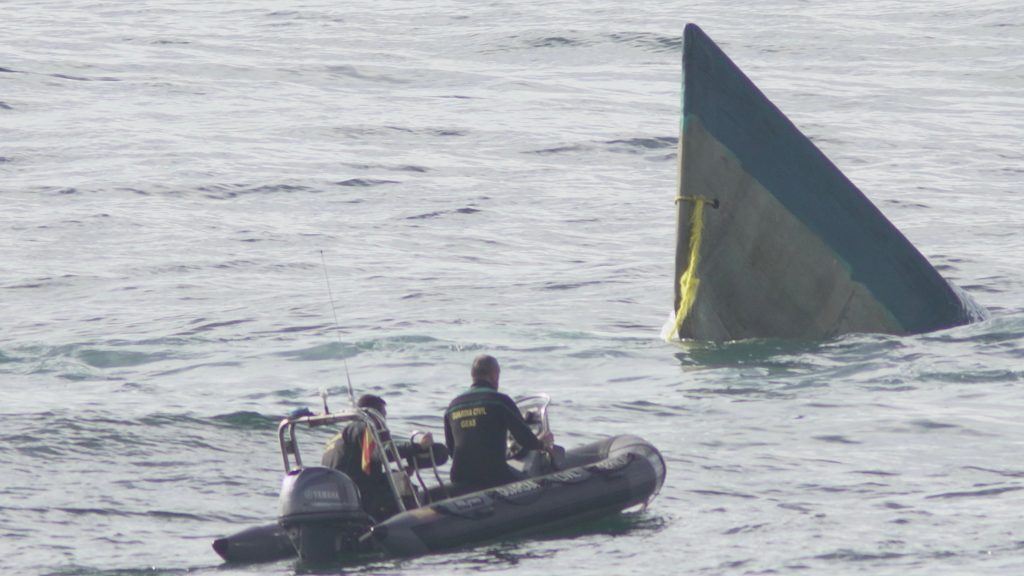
(368, 448)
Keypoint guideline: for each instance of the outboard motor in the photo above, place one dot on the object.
(321, 513)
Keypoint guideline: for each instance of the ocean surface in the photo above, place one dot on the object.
(178, 179)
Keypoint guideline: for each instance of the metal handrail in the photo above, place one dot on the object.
(379, 432)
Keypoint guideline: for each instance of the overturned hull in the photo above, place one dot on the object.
(773, 240)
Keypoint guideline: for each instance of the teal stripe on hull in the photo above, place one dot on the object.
(829, 262)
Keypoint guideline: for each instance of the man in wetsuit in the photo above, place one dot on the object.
(476, 426)
(352, 451)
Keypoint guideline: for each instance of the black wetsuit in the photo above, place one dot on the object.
(344, 452)
(476, 426)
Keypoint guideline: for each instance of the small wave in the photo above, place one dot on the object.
(365, 182)
(617, 380)
(40, 282)
(752, 352)
(876, 473)
(328, 351)
(376, 130)
(5, 106)
(738, 391)
(426, 215)
(93, 511)
(1007, 473)
(411, 168)
(649, 41)
(37, 451)
(561, 149)
(988, 285)
(516, 42)
(274, 188)
(601, 353)
(77, 570)
(854, 556)
(246, 420)
(976, 377)
(339, 350)
(907, 204)
(721, 493)
(650, 408)
(571, 285)
(836, 439)
(294, 329)
(744, 529)
(440, 213)
(98, 358)
(241, 420)
(932, 425)
(975, 493)
(80, 434)
(231, 264)
(76, 361)
(555, 42)
(641, 145)
(399, 168)
(803, 508)
(229, 191)
(353, 72)
(85, 79)
(190, 367)
(211, 326)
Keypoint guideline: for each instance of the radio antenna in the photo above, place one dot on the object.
(337, 331)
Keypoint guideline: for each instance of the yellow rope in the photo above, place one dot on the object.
(688, 281)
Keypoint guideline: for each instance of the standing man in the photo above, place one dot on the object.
(476, 426)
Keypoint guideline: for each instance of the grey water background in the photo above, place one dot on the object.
(488, 177)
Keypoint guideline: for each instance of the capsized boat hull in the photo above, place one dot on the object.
(773, 240)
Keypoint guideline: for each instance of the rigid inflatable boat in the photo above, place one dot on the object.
(321, 518)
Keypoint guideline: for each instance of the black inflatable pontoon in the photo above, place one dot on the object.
(626, 472)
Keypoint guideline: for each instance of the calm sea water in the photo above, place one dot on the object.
(488, 177)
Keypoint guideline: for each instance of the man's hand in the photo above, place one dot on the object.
(426, 441)
(547, 439)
